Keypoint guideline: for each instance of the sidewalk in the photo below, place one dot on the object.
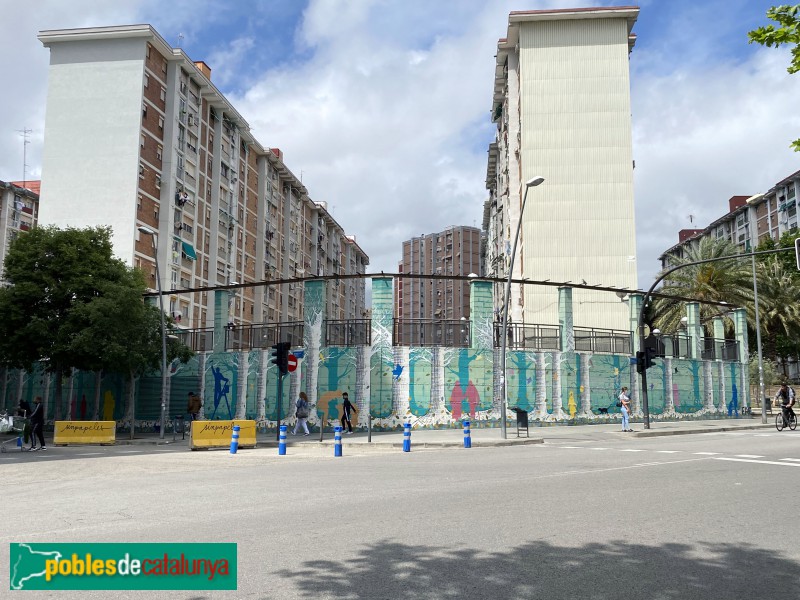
(492, 437)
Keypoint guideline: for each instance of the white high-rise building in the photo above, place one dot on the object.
(137, 135)
(563, 111)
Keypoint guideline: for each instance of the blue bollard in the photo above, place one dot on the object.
(282, 441)
(337, 441)
(235, 439)
(406, 437)
(467, 435)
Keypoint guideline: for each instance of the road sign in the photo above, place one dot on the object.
(291, 361)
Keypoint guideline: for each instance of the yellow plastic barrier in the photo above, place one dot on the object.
(84, 432)
(217, 434)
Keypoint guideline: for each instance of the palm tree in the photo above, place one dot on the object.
(729, 281)
(778, 306)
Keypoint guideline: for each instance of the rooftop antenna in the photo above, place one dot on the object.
(25, 132)
(180, 40)
(691, 219)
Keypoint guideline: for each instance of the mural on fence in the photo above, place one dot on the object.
(431, 387)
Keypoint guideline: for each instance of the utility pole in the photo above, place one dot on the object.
(25, 132)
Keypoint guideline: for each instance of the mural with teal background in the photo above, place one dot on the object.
(430, 387)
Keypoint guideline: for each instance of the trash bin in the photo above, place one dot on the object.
(522, 421)
(178, 426)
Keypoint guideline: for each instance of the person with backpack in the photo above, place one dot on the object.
(787, 398)
(301, 414)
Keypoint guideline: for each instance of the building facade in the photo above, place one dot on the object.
(749, 221)
(19, 212)
(137, 136)
(562, 108)
(454, 251)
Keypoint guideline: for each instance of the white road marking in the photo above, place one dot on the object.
(573, 447)
(748, 456)
(668, 451)
(792, 459)
(707, 453)
(760, 462)
(631, 450)
(88, 454)
(598, 448)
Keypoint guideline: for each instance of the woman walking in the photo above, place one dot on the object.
(302, 414)
(624, 404)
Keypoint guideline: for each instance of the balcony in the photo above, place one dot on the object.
(199, 340)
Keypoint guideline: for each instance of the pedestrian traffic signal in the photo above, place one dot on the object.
(640, 362)
(280, 356)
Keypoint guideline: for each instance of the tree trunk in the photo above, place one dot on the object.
(98, 383)
(59, 391)
(130, 413)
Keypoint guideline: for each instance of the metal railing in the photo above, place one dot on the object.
(529, 336)
(199, 340)
(263, 335)
(602, 341)
(348, 332)
(720, 349)
(453, 333)
(677, 346)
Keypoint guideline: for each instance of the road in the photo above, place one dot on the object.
(691, 516)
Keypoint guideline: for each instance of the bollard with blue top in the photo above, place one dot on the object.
(407, 437)
(235, 439)
(282, 441)
(467, 435)
(337, 441)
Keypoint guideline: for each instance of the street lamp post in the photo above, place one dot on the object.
(150, 232)
(758, 345)
(503, 332)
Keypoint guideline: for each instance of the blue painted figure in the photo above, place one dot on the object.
(221, 389)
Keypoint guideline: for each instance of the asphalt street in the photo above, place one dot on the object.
(694, 516)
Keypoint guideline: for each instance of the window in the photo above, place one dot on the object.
(188, 228)
(139, 204)
(159, 151)
(163, 93)
(144, 110)
(148, 50)
(141, 141)
(158, 181)
(141, 171)
(146, 78)
(161, 123)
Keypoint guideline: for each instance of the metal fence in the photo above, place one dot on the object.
(426, 332)
(263, 335)
(529, 337)
(720, 349)
(349, 332)
(602, 341)
(199, 340)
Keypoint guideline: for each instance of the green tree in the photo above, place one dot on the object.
(786, 31)
(722, 281)
(71, 304)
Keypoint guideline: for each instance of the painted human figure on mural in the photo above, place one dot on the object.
(221, 389)
(464, 389)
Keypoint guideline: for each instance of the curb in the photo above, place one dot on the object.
(644, 434)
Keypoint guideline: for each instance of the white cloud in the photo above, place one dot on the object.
(704, 134)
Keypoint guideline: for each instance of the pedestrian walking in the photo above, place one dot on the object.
(347, 408)
(624, 403)
(37, 424)
(193, 405)
(301, 414)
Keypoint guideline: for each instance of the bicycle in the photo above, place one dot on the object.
(780, 422)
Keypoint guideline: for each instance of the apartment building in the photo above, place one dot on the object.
(749, 220)
(454, 251)
(19, 211)
(138, 136)
(561, 104)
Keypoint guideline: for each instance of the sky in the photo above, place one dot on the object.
(382, 107)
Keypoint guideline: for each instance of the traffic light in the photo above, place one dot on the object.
(280, 356)
(644, 360)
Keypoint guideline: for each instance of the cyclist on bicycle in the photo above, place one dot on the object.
(787, 398)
